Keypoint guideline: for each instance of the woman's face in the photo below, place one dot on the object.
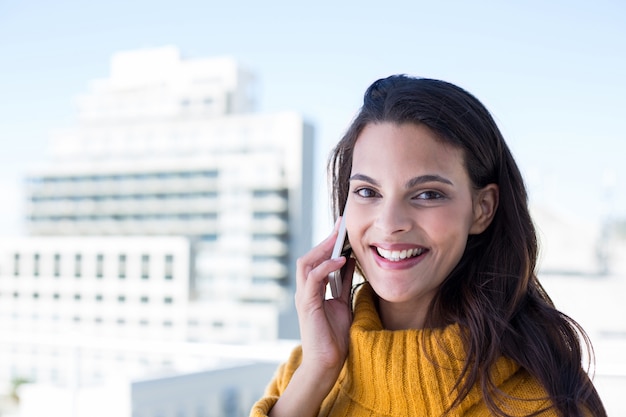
(410, 209)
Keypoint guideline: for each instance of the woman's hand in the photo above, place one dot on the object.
(324, 324)
(324, 330)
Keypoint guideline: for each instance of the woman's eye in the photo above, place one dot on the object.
(429, 195)
(365, 192)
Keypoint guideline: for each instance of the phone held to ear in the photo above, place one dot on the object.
(334, 278)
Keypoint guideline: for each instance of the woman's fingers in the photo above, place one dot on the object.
(313, 286)
(312, 259)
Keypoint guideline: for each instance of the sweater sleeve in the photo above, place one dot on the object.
(278, 384)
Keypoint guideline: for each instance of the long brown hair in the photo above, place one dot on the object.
(493, 291)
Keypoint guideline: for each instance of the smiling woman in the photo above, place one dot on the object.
(410, 193)
(451, 319)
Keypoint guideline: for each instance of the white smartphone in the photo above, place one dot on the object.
(334, 278)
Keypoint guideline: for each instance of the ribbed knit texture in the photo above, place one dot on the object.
(407, 373)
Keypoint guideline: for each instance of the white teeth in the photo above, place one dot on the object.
(395, 255)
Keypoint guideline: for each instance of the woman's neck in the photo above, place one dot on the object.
(401, 316)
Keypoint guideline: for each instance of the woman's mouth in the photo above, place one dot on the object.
(399, 255)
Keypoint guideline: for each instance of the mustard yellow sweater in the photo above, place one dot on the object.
(407, 373)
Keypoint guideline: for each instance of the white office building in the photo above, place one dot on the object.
(239, 193)
(171, 147)
(170, 214)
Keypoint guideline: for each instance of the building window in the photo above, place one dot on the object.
(121, 266)
(167, 323)
(16, 295)
(16, 264)
(145, 266)
(121, 298)
(36, 264)
(78, 260)
(35, 295)
(56, 296)
(77, 297)
(99, 265)
(144, 299)
(209, 238)
(143, 322)
(57, 265)
(230, 402)
(169, 267)
(121, 322)
(168, 300)
(98, 297)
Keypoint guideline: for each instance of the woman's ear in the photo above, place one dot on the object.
(485, 204)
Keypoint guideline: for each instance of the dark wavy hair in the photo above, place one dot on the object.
(493, 292)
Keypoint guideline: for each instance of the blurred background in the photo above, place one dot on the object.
(163, 164)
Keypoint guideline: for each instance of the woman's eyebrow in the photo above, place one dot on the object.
(362, 177)
(410, 183)
(427, 178)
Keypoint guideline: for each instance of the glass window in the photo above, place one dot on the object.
(230, 401)
(121, 266)
(16, 264)
(78, 260)
(99, 265)
(169, 267)
(57, 264)
(145, 266)
(36, 264)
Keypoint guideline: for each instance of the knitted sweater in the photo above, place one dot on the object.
(407, 373)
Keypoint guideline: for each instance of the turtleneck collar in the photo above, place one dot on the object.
(397, 372)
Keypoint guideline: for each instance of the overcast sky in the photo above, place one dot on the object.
(552, 73)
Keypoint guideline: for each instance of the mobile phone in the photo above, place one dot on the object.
(334, 278)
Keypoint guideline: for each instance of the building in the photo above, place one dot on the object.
(170, 214)
(171, 147)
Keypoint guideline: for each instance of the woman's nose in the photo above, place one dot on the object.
(393, 218)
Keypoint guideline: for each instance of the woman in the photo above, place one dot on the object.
(452, 319)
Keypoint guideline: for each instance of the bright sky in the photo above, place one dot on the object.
(552, 73)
